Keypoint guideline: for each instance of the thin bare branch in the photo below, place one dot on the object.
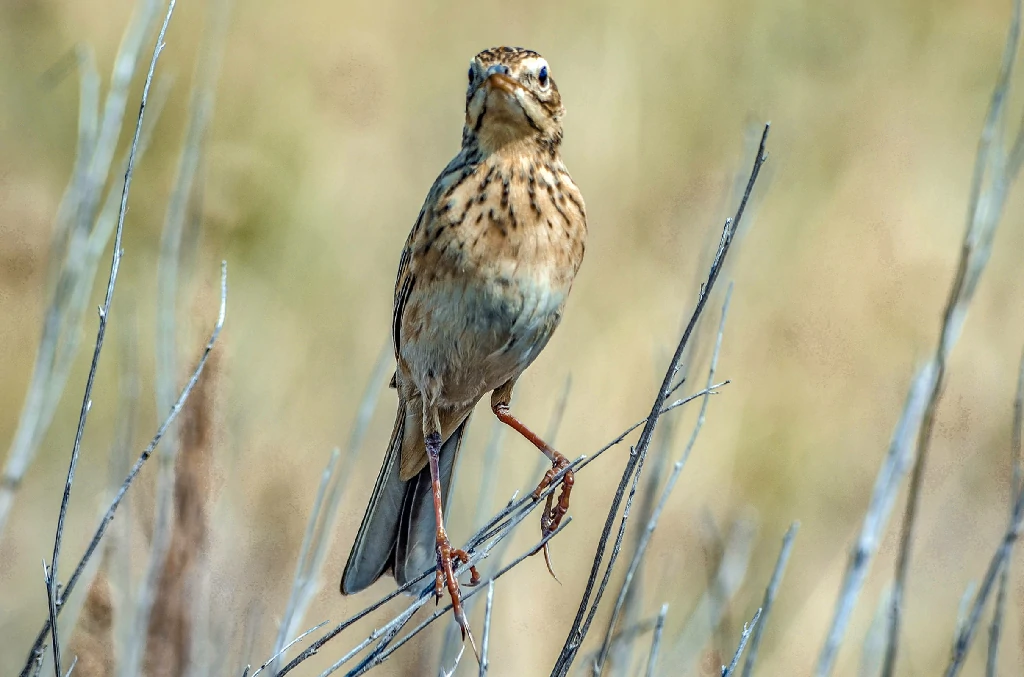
(634, 465)
(39, 644)
(965, 637)
(283, 649)
(769, 596)
(648, 533)
(894, 467)
(52, 593)
(1015, 488)
(748, 628)
(990, 186)
(486, 641)
(659, 627)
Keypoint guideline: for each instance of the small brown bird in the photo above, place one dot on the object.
(482, 282)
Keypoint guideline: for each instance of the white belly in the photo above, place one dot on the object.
(474, 337)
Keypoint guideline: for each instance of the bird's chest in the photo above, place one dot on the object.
(493, 260)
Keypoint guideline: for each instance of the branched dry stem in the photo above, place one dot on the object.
(634, 465)
(648, 533)
(1015, 488)
(39, 645)
(54, 570)
(994, 172)
(769, 596)
(748, 628)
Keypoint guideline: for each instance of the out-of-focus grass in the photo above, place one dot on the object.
(332, 120)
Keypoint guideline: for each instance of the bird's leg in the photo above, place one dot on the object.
(553, 512)
(446, 554)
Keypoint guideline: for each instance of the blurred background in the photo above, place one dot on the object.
(331, 121)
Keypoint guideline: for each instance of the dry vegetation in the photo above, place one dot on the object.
(329, 124)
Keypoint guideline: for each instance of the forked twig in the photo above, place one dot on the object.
(54, 571)
(983, 215)
(634, 465)
(748, 628)
(769, 596)
(40, 641)
(648, 533)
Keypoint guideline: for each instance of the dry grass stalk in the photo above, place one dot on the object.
(169, 638)
(92, 643)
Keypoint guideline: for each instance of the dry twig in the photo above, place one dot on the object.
(1015, 488)
(634, 465)
(748, 628)
(40, 642)
(659, 627)
(769, 596)
(999, 170)
(648, 533)
(52, 576)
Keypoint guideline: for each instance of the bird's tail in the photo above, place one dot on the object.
(399, 531)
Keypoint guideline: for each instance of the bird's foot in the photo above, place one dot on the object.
(447, 560)
(554, 511)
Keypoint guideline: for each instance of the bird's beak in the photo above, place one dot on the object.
(497, 78)
(501, 82)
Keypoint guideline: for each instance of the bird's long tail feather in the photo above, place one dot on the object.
(398, 531)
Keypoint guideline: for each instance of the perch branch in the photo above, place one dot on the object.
(634, 464)
(648, 533)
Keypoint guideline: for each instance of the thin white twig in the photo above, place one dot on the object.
(68, 271)
(37, 648)
(659, 627)
(285, 648)
(993, 175)
(52, 594)
(748, 628)
(486, 641)
(648, 533)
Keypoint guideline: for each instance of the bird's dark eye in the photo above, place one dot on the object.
(470, 75)
(542, 77)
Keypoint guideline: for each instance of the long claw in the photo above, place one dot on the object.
(547, 561)
(553, 512)
(446, 558)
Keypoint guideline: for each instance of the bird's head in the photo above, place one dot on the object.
(512, 98)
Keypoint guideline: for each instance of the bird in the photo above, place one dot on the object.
(482, 282)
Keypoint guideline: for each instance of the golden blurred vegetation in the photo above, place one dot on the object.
(333, 118)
